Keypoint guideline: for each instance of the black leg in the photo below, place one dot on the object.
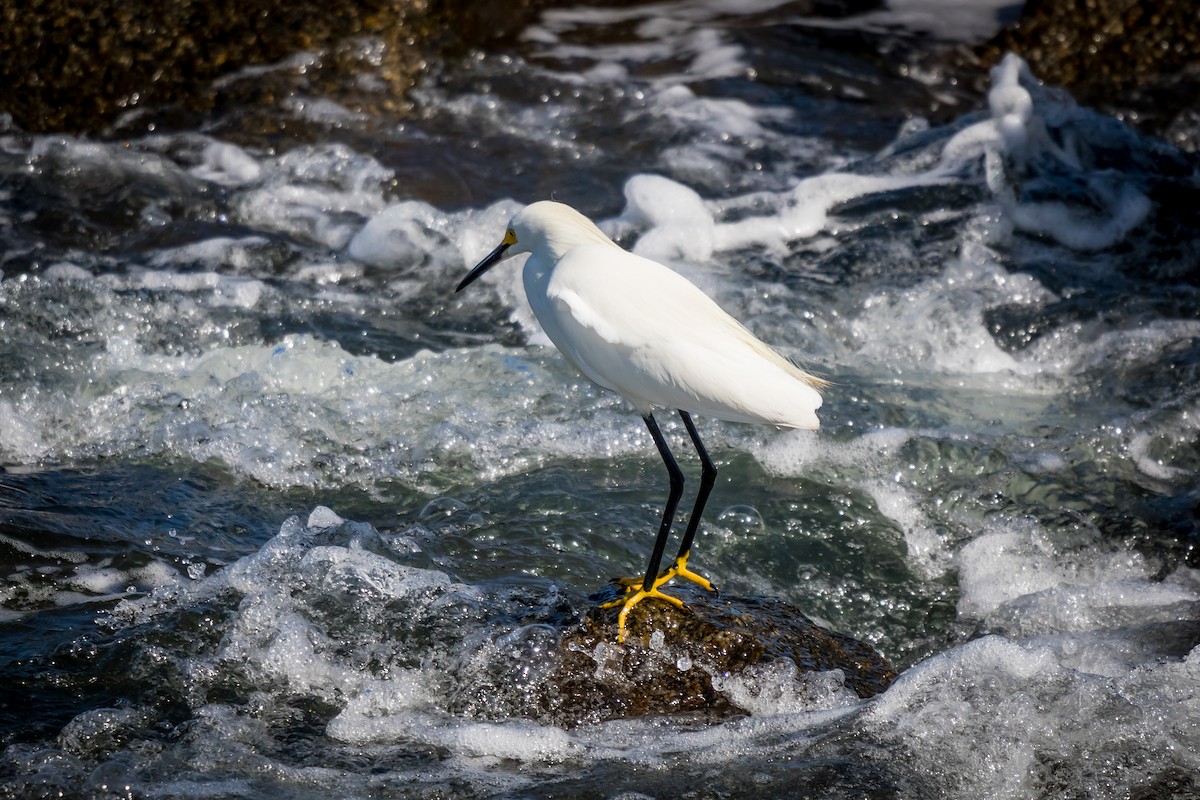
(676, 475)
(708, 479)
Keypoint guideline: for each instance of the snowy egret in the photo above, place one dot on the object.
(642, 330)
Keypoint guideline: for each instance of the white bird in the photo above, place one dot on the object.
(645, 332)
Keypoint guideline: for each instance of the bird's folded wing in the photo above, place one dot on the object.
(637, 328)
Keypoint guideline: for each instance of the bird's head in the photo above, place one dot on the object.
(546, 227)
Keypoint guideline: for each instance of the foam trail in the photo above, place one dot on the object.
(1015, 133)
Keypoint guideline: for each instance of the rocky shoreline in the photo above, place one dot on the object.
(112, 67)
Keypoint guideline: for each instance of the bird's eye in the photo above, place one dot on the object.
(509, 237)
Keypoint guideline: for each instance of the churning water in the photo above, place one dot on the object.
(280, 515)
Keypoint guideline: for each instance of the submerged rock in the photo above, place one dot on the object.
(90, 66)
(1139, 61)
(705, 659)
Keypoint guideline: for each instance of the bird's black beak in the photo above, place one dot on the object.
(493, 258)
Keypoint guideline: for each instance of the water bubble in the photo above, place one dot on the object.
(741, 520)
(440, 508)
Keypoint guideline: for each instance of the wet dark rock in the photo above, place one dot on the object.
(1135, 59)
(116, 67)
(85, 66)
(674, 661)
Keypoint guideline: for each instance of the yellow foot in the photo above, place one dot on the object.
(677, 570)
(635, 596)
(636, 593)
(630, 585)
(680, 570)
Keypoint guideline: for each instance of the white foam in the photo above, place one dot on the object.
(299, 62)
(724, 117)
(271, 411)
(1018, 132)
(923, 325)
(777, 687)
(522, 741)
(1124, 209)
(1139, 447)
(790, 452)
(978, 716)
(222, 290)
(666, 32)
(681, 226)
(363, 573)
(938, 324)
(67, 272)
(41, 578)
(323, 517)
(1014, 133)
(386, 711)
(100, 157)
(94, 730)
(1164, 448)
(20, 439)
(662, 744)
(926, 550)
(975, 21)
(804, 210)
(987, 717)
(228, 165)
(401, 235)
(1123, 348)
(799, 453)
(1033, 583)
(277, 639)
(236, 254)
(322, 110)
(321, 193)
(274, 636)
(101, 581)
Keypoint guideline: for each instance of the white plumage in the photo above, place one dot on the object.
(642, 330)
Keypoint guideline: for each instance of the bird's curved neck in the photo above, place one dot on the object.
(571, 234)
